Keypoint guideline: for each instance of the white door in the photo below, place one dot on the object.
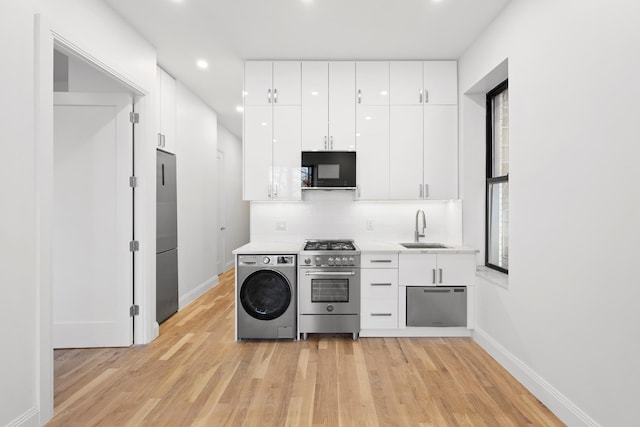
(405, 83)
(222, 218)
(342, 105)
(372, 81)
(258, 125)
(441, 152)
(373, 152)
(441, 82)
(258, 83)
(417, 269)
(315, 105)
(93, 221)
(405, 152)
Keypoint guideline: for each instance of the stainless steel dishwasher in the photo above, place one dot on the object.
(436, 306)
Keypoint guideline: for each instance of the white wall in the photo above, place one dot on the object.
(334, 215)
(197, 189)
(25, 225)
(236, 210)
(568, 322)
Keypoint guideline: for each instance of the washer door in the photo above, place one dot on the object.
(265, 294)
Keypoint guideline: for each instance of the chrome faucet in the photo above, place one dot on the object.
(424, 225)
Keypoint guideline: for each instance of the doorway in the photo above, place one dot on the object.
(222, 216)
(92, 286)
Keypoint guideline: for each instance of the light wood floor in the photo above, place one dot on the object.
(196, 374)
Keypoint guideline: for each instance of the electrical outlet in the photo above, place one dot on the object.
(369, 224)
(281, 226)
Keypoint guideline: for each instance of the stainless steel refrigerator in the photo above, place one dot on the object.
(166, 237)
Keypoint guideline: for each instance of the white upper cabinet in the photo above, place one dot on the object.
(405, 81)
(373, 152)
(440, 152)
(328, 106)
(167, 111)
(441, 82)
(258, 152)
(372, 81)
(286, 154)
(406, 171)
(272, 83)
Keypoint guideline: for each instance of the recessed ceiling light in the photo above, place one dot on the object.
(314, 93)
(201, 63)
(384, 93)
(368, 118)
(263, 123)
(239, 109)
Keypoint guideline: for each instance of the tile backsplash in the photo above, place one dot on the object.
(335, 215)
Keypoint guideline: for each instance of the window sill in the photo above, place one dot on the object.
(492, 276)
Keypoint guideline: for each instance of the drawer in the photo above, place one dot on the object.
(379, 283)
(379, 260)
(379, 313)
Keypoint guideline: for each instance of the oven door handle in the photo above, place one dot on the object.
(329, 273)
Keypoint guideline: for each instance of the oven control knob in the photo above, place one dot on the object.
(266, 260)
(330, 261)
(318, 260)
(345, 261)
(337, 261)
(352, 261)
(307, 260)
(329, 308)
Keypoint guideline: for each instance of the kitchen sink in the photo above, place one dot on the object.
(424, 245)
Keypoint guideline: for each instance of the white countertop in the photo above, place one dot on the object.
(377, 246)
(365, 246)
(269, 248)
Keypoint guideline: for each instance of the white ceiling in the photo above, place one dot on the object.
(227, 32)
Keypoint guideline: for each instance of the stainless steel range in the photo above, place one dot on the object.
(329, 287)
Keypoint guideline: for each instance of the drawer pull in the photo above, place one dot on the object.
(380, 284)
(380, 314)
(381, 260)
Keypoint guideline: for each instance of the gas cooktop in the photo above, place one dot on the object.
(329, 245)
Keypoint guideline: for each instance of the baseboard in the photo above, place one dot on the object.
(31, 418)
(229, 265)
(196, 292)
(557, 402)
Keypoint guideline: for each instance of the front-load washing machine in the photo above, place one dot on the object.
(266, 296)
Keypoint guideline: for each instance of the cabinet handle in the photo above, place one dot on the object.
(433, 278)
(426, 191)
(269, 190)
(326, 144)
(358, 188)
(420, 91)
(440, 271)
(164, 140)
(331, 142)
(269, 96)
(421, 191)
(380, 260)
(380, 284)
(381, 314)
(275, 96)
(426, 96)
(160, 140)
(359, 96)
(275, 190)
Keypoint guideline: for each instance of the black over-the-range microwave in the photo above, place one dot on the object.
(328, 169)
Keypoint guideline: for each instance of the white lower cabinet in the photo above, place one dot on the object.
(379, 291)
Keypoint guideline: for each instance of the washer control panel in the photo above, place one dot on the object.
(268, 259)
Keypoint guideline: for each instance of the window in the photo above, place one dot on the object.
(497, 214)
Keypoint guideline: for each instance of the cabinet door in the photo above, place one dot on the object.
(372, 82)
(257, 152)
(373, 152)
(258, 83)
(417, 269)
(405, 86)
(379, 314)
(315, 105)
(381, 283)
(167, 111)
(456, 269)
(441, 152)
(286, 82)
(405, 152)
(286, 153)
(342, 105)
(441, 82)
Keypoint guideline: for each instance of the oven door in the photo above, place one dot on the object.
(330, 291)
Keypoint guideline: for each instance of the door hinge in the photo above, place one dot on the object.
(134, 117)
(134, 310)
(134, 246)
(133, 181)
